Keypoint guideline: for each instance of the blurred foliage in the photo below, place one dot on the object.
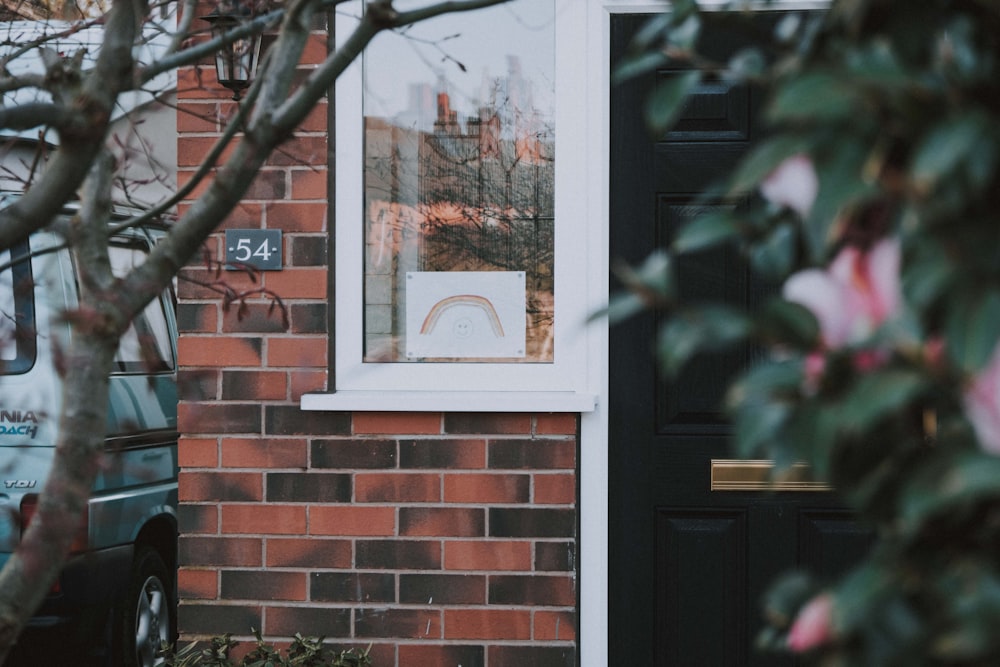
(883, 378)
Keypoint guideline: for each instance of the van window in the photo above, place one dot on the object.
(145, 347)
(17, 312)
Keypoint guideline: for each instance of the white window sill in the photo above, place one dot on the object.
(444, 401)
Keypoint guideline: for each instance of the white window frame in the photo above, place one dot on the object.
(562, 385)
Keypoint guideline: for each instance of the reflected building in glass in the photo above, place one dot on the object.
(459, 185)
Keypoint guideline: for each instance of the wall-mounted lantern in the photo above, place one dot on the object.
(236, 62)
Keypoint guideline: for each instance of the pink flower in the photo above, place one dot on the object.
(814, 624)
(793, 183)
(982, 404)
(854, 296)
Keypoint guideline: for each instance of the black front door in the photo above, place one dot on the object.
(688, 563)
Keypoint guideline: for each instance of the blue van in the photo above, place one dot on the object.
(117, 593)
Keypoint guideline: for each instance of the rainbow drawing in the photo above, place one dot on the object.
(481, 302)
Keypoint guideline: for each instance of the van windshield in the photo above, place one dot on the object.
(17, 311)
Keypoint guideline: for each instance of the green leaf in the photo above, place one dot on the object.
(666, 101)
(707, 230)
(651, 31)
(788, 323)
(757, 425)
(972, 327)
(946, 485)
(841, 184)
(708, 328)
(774, 256)
(637, 64)
(763, 159)
(814, 97)
(950, 143)
(880, 394)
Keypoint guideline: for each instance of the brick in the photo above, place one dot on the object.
(555, 626)
(307, 250)
(308, 318)
(292, 420)
(397, 488)
(533, 656)
(449, 654)
(316, 120)
(197, 452)
(219, 486)
(309, 621)
(556, 424)
(347, 454)
(268, 185)
(442, 521)
(555, 489)
(352, 521)
(298, 216)
(487, 423)
(487, 555)
(298, 283)
(533, 590)
(264, 519)
(257, 585)
(555, 556)
(215, 351)
(253, 317)
(308, 184)
(195, 584)
(398, 555)
(216, 619)
(315, 51)
(411, 623)
(505, 624)
(198, 317)
(301, 487)
(442, 589)
(366, 587)
(244, 215)
(442, 454)
(296, 351)
(531, 522)
(192, 150)
(220, 551)
(300, 150)
(401, 423)
(487, 488)
(198, 118)
(198, 385)
(264, 453)
(193, 418)
(198, 518)
(304, 380)
(308, 552)
(540, 454)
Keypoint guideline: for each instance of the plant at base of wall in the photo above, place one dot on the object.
(302, 652)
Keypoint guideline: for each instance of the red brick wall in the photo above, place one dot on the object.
(441, 539)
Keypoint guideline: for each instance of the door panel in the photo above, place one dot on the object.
(689, 565)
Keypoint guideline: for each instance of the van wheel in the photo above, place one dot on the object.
(146, 616)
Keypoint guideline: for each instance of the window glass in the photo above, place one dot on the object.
(459, 170)
(145, 346)
(17, 327)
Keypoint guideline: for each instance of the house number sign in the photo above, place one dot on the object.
(259, 248)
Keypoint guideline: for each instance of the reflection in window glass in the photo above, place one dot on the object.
(145, 346)
(459, 188)
(17, 312)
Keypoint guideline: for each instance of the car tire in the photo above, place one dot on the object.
(146, 615)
